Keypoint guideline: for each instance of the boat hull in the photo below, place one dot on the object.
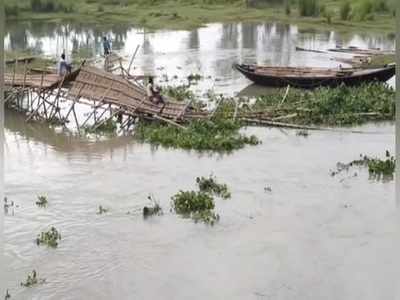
(309, 82)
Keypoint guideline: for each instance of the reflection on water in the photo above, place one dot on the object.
(210, 51)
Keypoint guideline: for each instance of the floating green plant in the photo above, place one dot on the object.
(194, 77)
(268, 189)
(341, 106)
(8, 206)
(155, 209)
(102, 210)
(197, 205)
(303, 133)
(42, 201)
(32, 280)
(206, 216)
(210, 185)
(377, 168)
(109, 126)
(49, 238)
(202, 135)
(179, 93)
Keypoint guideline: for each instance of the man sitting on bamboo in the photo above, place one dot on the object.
(153, 93)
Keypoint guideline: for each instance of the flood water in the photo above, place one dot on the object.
(312, 237)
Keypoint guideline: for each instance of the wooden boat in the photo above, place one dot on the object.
(299, 49)
(359, 51)
(309, 78)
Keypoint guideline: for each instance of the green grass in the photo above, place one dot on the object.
(185, 14)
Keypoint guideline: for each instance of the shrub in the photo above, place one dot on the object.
(381, 6)
(328, 15)
(287, 8)
(11, 10)
(365, 9)
(49, 6)
(345, 10)
(309, 8)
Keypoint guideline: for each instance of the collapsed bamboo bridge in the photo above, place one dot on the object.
(54, 98)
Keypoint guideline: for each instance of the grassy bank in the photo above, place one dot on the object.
(186, 14)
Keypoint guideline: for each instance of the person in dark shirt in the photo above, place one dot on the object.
(106, 46)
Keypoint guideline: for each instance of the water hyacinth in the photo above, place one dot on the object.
(153, 210)
(377, 168)
(341, 106)
(204, 135)
(42, 201)
(210, 185)
(303, 133)
(196, 205)
(49, 238)
(102, 210)
(8, 205)
(32, 279)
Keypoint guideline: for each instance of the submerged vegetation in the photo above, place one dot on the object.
(42, 201)
(196, 205)
(199, 205)
(377, 168)
(154, 209)
(202, 135)
(108, 126)
(211, 186)
(49, 238)
(32, 280)
(102, 210)
(8, 205)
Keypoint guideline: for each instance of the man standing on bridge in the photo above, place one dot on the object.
(106, 46)
(63, 67)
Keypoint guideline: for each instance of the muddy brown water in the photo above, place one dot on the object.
(312, 237)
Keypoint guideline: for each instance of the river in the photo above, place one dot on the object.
(312, 236)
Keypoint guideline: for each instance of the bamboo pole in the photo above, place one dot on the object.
(236, 110)
(183, 110)
(133, 57)
(285, 96)
(169, 121)
(106, 119)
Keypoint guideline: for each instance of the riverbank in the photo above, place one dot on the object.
(178, 14)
